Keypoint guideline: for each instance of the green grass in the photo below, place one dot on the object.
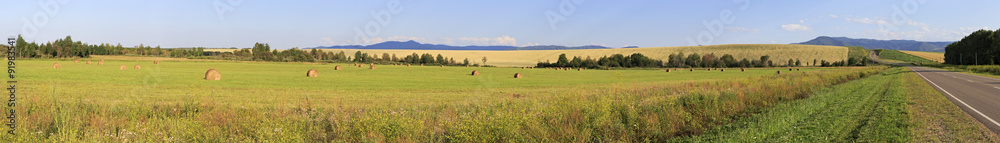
(258, 83)
(894, 106)
(900, 56)
(275, 102)
(857, 52)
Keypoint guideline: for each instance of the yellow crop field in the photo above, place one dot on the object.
(778, 52)
(934, 56)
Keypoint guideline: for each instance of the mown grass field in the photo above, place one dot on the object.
(896, 55)
(778, 53)
(275, 102)
(933, 56)
(894, 106)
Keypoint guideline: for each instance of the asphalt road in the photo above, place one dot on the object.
(977, 95)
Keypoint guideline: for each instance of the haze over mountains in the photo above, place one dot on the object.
(908, 45)
(413, 45)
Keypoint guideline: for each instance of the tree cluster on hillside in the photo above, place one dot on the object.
(981, 47)
(616, 60)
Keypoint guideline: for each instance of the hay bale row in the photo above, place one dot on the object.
(213, 74)
(312, 73)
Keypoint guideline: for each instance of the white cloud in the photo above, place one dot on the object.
(795, 27)
(834, 16)
(742, 29)
(973, 29)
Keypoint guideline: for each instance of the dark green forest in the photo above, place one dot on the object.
(979, 48)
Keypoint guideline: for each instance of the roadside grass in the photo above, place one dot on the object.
(103, 104)
(899, 56)
(894, 106)
(937, 119)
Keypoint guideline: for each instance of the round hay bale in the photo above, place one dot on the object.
(360, 66)
(156, 62)
(371, 67)
(76, 61)
(213, 74)
(371, 64)
(609, 68)
(123, 67)
(691, 69)
(312, 73)
(337, 67)
(668, 70)
(779, 72)
(579, 69)
(789, 69)
(517, 75)
(466, 65)
(797, 69)
(442, 66)
(708, 69)
(137, 67)
(88, 62)
(722, 70)
(421, 64)
(407, 64)
(743, 70)
(475, 72)
(531, 67)
(56, 66)
(100, 63)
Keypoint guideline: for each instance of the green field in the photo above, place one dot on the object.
(276, 102)
(261, 83)
(900, 56)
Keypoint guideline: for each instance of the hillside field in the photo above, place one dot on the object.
(778, 52)
(933, 56)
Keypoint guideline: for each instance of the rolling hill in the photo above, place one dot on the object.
(779, 53)
(908, 45)
(413, 45)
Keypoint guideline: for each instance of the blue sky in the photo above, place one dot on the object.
(645, 23)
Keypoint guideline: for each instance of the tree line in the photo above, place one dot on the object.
(67, 48)
(616, 60)
(694, 60)
(979, 48)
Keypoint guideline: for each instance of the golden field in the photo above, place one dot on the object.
(778, 52)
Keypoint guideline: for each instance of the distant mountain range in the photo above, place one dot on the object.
(909, 45)
(413, 45)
